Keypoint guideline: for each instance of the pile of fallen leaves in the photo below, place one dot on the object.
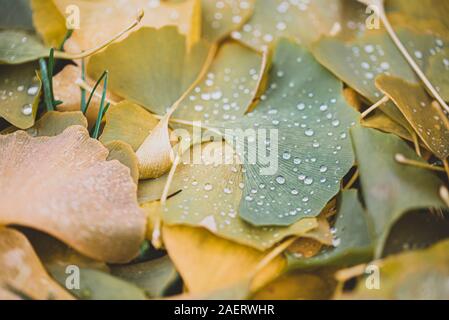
(98, 199)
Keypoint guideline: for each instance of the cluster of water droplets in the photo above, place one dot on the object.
(227, 89)
(227, 12)
(280, 17)
(13, 92)
(313, 149)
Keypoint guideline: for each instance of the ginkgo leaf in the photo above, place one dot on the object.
(54, 253)
(380, 121)
(49, 23)
(17, 46)
(53, 123)
(121, 151)
(98, 285)
(19, 94)
(155, 155)
(359, 61)
(22, 270)
(101, 20)
(150, 67)
(156, 276)
(416, 275)
(426, 118)
(391, 189)
(297, 286)
(220, 17)
(128, 122)
(207, 263)
(352, 242)
(63, 186)
(305, 21)
(210, 198)
(15, 15)
(229, 88)
(301, 126)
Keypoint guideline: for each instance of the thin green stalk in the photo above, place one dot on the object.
(66, 37)
(101, 110)
(83, 91)
(47, 88)
(51, 68)
(93, 91)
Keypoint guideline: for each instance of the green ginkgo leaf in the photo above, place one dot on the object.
(358, 62)
(228, 89)
(151, 67)
(302, 127)
(156, 276)
(415, 275)
(19, 94)
(416, 230)
(352, 239)
(210, 197)
(305, 21)
(391, 189)
(18, 47)
(219, 17)
(15, 15)
(97, 285)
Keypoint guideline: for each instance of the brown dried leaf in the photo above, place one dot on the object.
(64, 186)
(21, 270)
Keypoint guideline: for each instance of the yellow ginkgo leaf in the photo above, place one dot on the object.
(424, 115)
(221, 17)
(99, 21)
(121, 151)
(53, 123)
(64, 186)
(22, 271)
(207, 263)
(128, 122)
(48, 22)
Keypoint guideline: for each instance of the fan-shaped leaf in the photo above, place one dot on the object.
(19, 94)
(63, 186)
(306, 113)
(389, 188)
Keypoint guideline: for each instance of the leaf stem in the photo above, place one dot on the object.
(353, 179)
(87, 53)
(400, 158)
(156, 236)
(374, 106)
(444, 194)
(271, 256)
(410, 60)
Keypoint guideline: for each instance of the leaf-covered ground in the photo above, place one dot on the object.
(230, 149)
